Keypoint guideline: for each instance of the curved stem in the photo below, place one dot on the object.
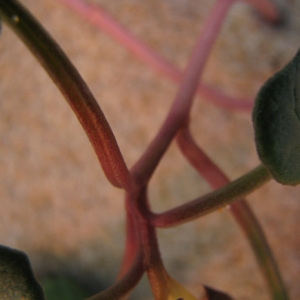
(240, 211)
(72, 86)
(212, 201)
(248, 222)
(124, 285)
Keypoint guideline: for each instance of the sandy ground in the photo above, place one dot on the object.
(55, 202)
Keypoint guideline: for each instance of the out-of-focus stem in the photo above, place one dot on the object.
(240, 211)
(102, 20)
(248, 222)
(72, 86)
(267, 9)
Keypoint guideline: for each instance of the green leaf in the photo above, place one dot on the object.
(17, 280)
(276, 120)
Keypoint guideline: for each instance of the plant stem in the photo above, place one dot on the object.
(179, 112)
(248, 222)
(132, 240)
(125, 284)
(212, 201)
(72, 86)
(240, 211)
(102, 20)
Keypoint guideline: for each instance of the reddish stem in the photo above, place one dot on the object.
(180, 109)
(125, 284)
(74, 89)
(240, 211)
(102, 20)
(132, 241)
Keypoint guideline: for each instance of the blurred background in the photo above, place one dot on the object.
(56, 204)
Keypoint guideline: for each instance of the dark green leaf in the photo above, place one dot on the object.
(276, 119)
(16, 277)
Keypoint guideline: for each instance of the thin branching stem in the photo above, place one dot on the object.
(72, 86)
(182, 104)
(97, 16)
(240, 210)
(142, 250)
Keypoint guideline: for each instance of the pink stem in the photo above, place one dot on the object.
(197, 158)
(180, 109)
(99, 18)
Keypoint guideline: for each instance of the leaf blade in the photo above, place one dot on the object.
(277, 124)
(17, 280)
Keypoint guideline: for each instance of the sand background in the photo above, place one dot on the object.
(55, 201)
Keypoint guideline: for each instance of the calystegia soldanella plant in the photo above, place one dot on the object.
(277, 136)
